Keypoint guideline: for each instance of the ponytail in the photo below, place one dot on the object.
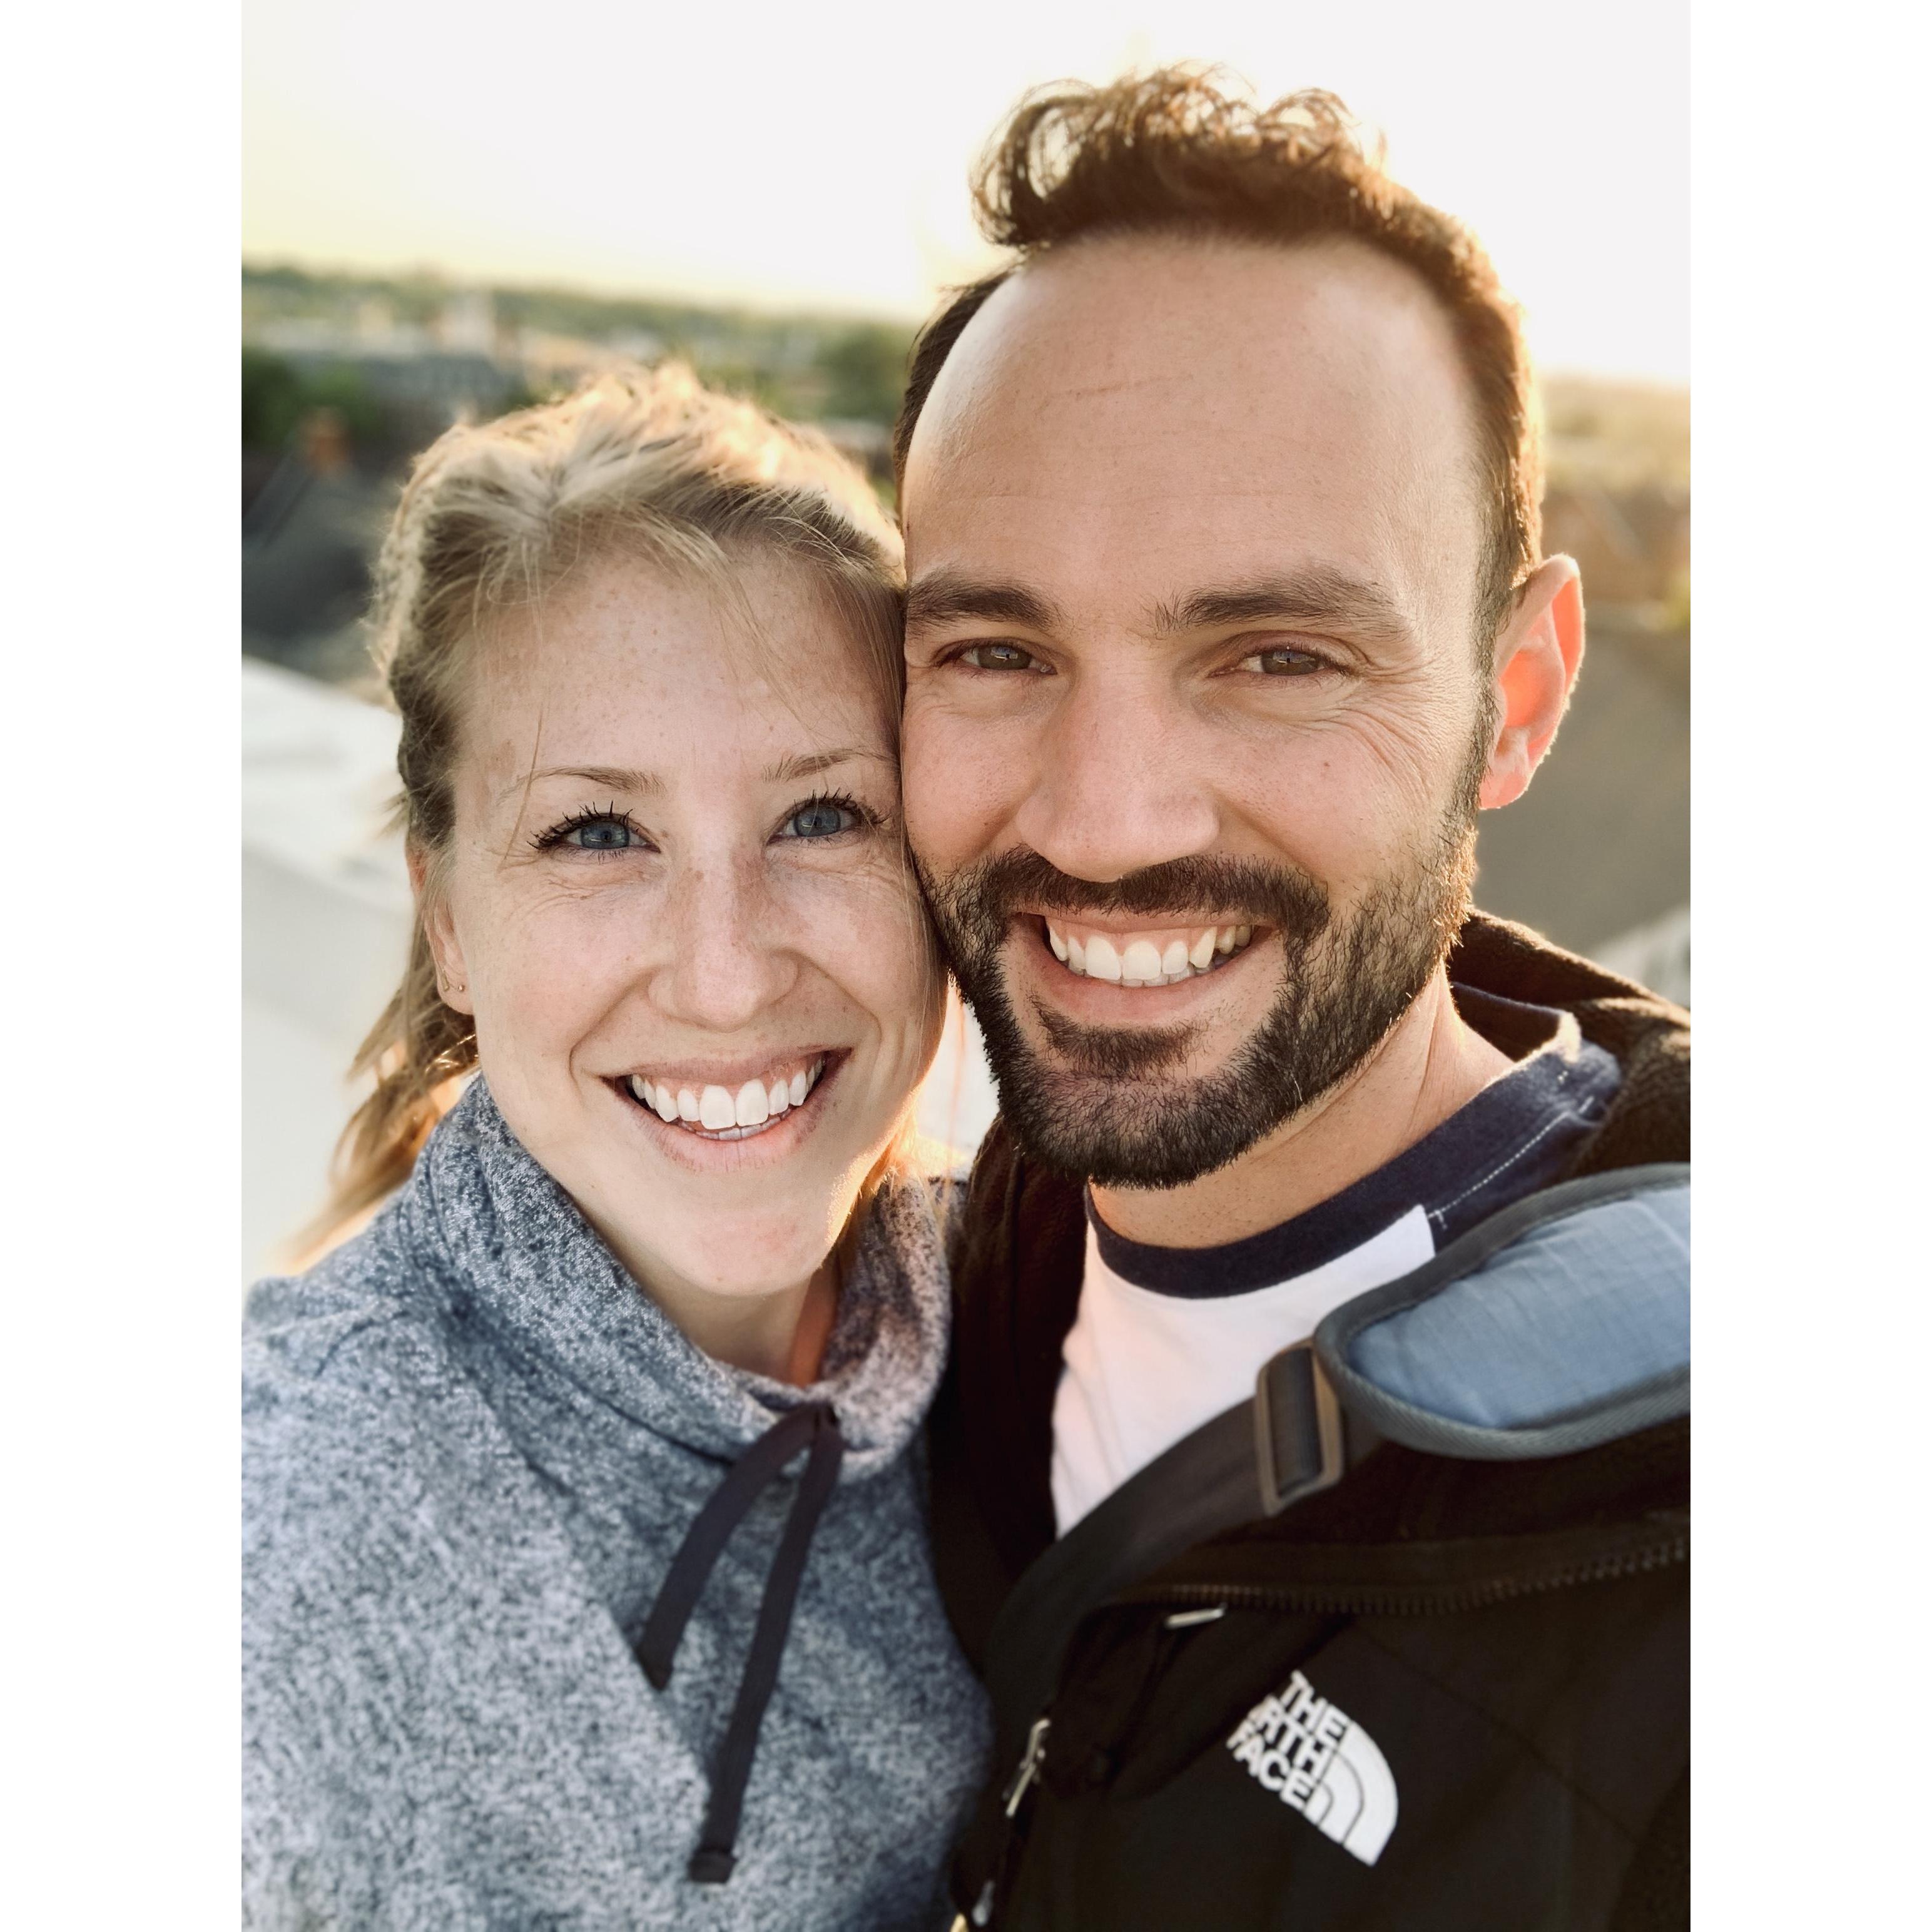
(420, 1052)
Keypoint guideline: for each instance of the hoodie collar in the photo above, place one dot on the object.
(513, 1250)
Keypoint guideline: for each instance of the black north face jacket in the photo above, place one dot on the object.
(1343, 1659)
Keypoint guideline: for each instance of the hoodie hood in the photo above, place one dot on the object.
(514, 1252)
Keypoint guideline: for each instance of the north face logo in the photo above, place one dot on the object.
(1319, 1760)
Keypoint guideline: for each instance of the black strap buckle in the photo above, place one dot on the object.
(1299, 1444)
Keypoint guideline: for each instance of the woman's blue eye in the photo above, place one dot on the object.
(821, 819)
(600, 834)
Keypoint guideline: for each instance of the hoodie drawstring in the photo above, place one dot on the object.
(813, 1427)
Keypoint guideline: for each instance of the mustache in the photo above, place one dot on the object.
(1208, 887)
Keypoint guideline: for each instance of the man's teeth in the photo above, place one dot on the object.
(1163, 958)
(718, 1110)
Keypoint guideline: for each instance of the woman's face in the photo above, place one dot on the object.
(677, 904)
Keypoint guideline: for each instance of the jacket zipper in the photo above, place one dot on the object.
(1029, 1764)
(980, 1912)
(1417, 1598)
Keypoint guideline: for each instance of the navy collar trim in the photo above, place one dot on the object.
(1558, 1089)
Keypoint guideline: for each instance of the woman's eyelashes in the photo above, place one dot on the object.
(600, 832)
(826, 815)
(603, 832)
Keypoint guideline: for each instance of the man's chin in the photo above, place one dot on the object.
(1155, 1087)
(1120, 1055)
(1159, 1107)
(1118, 1120)
(1102, 1131)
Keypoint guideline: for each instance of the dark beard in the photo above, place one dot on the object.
(1105, 1112)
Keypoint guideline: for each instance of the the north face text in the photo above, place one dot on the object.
(1318, 1760)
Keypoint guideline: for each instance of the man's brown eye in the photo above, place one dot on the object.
(1284, 663)
(1000, 657)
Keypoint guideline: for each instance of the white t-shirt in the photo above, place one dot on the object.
(1142, 1368)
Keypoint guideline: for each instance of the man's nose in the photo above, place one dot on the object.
(1118, 784)
(730, 958)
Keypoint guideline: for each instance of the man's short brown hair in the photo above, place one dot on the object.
(1176, 152)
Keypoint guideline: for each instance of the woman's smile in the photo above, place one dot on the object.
(690, 1110)
(729, 1106)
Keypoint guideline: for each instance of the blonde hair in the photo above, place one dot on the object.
(644, 460)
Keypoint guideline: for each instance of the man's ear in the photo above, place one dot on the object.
(452, 975)
(1538, 655)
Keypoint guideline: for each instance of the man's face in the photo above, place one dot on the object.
(1195, 724)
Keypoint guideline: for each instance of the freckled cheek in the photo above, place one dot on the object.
(552, 967)
(868, 937)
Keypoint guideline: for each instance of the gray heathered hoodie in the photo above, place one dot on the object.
(471, 1447)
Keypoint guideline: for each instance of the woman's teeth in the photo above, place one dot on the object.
(721, 1114)
(1157, 958)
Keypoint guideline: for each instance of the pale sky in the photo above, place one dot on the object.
(817, 156)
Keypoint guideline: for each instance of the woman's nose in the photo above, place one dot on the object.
(729, 957)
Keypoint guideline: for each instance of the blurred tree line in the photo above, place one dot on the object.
(865, 368)
(813, 367)
(276, 396)
(345, 378)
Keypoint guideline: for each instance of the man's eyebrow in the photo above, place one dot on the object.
(942, 596)
(606, 778)
(1319, 599)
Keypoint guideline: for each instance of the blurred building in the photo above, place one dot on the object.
(1636, 539)
(325, 931)
(1600, 844)
(312, 519)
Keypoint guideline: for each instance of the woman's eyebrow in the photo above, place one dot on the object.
(607, 778)
(808, 764)
(641, 783)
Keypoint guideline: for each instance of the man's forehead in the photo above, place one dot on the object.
(1167, 379)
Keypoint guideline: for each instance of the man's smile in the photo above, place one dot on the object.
(1122, 970)
(1142, 956)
